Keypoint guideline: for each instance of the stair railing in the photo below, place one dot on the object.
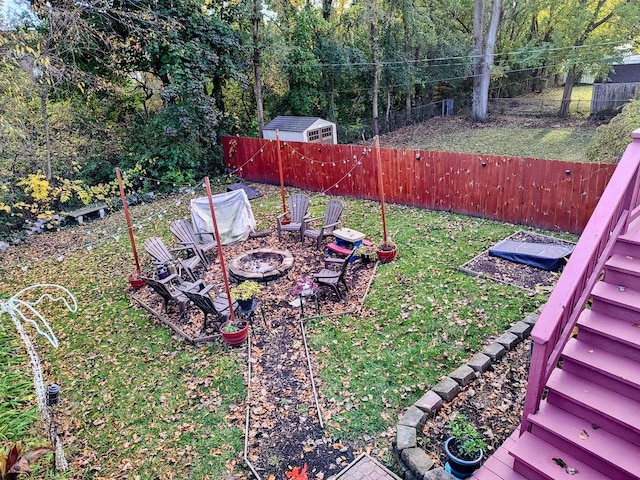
(617, 207)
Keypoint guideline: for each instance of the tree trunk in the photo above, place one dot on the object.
(478, 39)
(484, 46)
(255, 20)
(47, 136)
(326, 9)
(376, 78)
(387, 112)
(566, 93)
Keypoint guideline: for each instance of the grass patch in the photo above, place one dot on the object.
(137, 401)
(558, 143)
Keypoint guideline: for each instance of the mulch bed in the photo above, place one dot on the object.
(492, 403)
(512, 273)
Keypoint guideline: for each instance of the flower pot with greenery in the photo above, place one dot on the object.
(235, 333)
(464, 449)
(387, 251)
(245, 293)
(366, 254)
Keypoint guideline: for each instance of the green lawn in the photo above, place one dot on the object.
(138, 403)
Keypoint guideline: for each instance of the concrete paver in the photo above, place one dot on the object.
(366, 468)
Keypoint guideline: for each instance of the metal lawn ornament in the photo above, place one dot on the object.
(24, 312)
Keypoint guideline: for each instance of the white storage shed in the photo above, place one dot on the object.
(301, 129)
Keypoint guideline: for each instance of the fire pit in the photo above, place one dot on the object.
(261, 265)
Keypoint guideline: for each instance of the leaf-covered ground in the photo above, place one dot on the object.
(137, 402)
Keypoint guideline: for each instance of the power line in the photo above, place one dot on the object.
(461, 57)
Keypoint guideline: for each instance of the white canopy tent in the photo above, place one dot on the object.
(233, 214)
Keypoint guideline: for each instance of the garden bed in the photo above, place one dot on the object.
(519, 275)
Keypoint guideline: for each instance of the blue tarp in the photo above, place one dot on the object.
(547, 256)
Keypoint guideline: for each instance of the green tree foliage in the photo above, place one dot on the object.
(612, 139)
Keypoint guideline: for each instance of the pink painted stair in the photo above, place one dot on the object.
(607, 369)
(577, 438)
(534, 459)
(623, 270)
(616, 302)
(591, 415)
(609, 333)
(599, 405)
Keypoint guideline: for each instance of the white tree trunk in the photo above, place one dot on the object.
(483, 50)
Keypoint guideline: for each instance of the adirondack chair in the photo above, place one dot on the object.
(183, 231)
(218, 306)
(331, 220)
(155, 247)
(170, 289)
(298, 205)
(333, 278)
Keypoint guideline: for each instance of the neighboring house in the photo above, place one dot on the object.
(301, 129)
(621, 85)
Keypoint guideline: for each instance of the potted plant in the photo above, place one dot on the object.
(235, 333)
(465, 448)
(245, 293)
(387, 251)
(366, 254)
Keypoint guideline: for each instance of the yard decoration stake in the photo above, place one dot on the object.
(128, 219)
(381, 188)
(219, 243)
(25, 311)
(278, 150)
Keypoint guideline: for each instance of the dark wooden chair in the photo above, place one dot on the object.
(298, 205)
(329, 277)
(218, 306)
(155, 247)
(331, 221)
(171, 290)
(183, 230)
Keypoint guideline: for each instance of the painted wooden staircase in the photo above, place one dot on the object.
(581, 416)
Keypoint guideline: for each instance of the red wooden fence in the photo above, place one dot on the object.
(549, 194)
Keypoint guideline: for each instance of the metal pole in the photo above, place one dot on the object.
(220, 256)
(128, 218)
(284, 204)
(381, 188)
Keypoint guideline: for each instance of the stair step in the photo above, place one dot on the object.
(597, 404)
(628, 244)
(608, 369)
(534, 460)
(612, 301)
(611, 334)
(623, 270)
(601, 450)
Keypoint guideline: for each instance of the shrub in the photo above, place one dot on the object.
(612, 139)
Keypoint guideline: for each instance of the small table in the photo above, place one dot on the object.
(346, 237)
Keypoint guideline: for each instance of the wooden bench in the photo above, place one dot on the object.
(343, 251)
(79, 214)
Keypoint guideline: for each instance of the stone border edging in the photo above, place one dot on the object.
(414, 461)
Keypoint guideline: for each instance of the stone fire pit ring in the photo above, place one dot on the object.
(261, 265)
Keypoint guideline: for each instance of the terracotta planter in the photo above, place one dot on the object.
(235, 339)
(386, 256)
(135, 281)
(458, 467)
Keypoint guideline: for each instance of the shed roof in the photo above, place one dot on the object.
(628, 73)
(292, 124)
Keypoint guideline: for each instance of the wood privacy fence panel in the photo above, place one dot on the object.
(549, 194)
